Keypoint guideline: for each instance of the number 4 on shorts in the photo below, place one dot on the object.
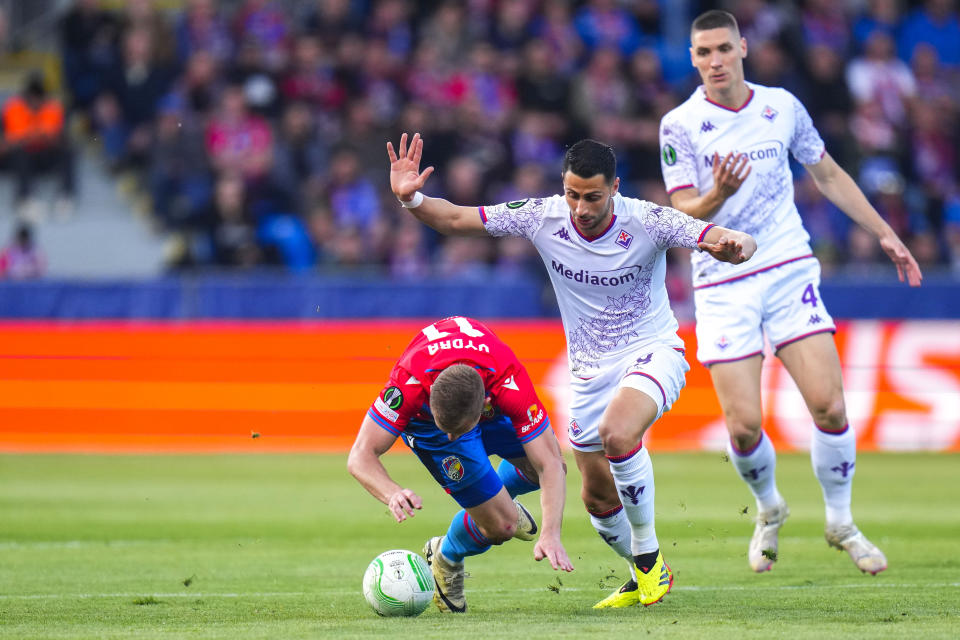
(809, 297)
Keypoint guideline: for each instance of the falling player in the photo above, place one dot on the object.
(606, 258)
(724, 158)
(457, 395)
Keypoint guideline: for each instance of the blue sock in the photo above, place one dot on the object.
(513, 479)
(463, 539)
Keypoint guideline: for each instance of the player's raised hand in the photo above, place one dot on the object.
(729, 173)
(732, 246)
(403, 503)
(553, 551)
(907, 267)
(405, 175)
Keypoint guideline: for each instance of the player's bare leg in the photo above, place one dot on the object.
(737, 385)
(814, 364)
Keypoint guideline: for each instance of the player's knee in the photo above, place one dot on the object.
(830, 414)
(744, 429)
(615, 441)
(500, 532)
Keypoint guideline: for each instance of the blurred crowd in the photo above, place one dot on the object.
(258, 127)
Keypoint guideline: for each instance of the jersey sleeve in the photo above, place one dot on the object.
(806, 145)
(516, 398)
(395, 405)
(669, 228)
(522, 218)
(678, 158)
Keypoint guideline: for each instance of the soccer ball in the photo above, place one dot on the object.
(398, 583)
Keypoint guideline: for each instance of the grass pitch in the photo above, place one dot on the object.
(275, 547)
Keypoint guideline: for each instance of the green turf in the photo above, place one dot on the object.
(275, 547)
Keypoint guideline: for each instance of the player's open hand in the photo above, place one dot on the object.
(552, 550)
(403, 503)
(405, 175)
(729, 173)
(732, 246)
(907, 267)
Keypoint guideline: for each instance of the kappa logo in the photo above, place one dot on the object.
(624, 239)
(815, 319)
(645, 359)
(706, 125)
(633, 493)
(563, 233)
(393, 397)
(453, 468)
(769, 113)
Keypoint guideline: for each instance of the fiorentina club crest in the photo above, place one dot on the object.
(722, 343)
(624, 239)
(575, 429)
(769, 113)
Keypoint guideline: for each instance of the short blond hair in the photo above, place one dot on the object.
(456, 398)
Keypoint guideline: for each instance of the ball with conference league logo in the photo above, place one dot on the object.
(398, 583)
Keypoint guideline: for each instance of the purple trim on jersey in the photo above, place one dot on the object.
(474, 531)
(647, 375)
(626, 456)
(533, 434)
(483, 215)
(613, 218)
(585, 445)
(749, 355)
(682, 352)
(683, 186)
(380, 420)
(717, 104)
(752, 273)
(806, 335)
(846, 427)
(606, 514)
(744, 454)
(704, 232)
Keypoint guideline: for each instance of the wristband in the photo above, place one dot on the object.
(415, 202)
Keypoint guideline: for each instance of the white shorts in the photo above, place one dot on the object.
(658, 371)
(783, 303)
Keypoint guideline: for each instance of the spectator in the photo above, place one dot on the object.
(555, 27)
(935, 23)
(231, 233)
(262, 25)
(238, 141)
(353, 197)
(879, 76)
(202, 27)
(21, 259)
(882, 15)
(88, 36)
(35, 140)
(299, 156)
(126, 108)
(602, 24)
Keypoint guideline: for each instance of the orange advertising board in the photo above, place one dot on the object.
(267, 387)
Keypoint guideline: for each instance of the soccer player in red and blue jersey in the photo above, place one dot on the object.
(457, 395)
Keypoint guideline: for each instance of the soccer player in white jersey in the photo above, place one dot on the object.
(724, 159)
(605, 257)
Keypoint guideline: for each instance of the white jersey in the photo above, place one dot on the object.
(769, 124)
(610, 289)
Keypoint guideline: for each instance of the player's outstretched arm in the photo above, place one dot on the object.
(364, 464)
(837, 185)
(728, 174)
(544, 454)
(728, 245)
(406, 180)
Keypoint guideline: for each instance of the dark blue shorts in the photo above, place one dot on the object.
(462, 467)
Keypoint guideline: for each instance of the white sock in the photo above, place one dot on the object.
(633, 475)
(614, 529)
(834, 456)
(757, 467)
